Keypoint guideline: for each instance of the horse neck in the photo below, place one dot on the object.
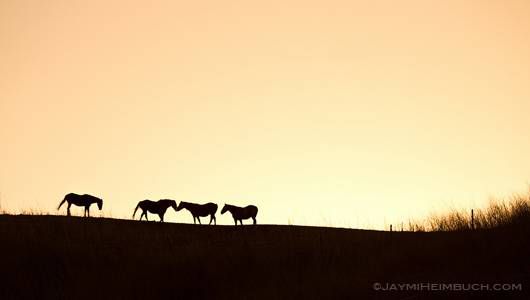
(166, 204)
(189, 206)
(231, 208)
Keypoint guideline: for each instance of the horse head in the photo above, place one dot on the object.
(100, 203)
(182, 204)
(173, 204)
(225, 208)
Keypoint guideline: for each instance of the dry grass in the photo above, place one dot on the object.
(498, 213)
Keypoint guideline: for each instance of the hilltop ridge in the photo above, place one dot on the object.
(73, 257)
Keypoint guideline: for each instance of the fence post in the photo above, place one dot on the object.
(472, 220)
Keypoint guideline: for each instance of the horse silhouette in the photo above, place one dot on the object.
(241, 213)
(155, 207)
(200, 210)
(81, 200)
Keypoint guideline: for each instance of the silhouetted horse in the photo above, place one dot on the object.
(241, 213)
(200, 210)
(155, 207)
(81, 200)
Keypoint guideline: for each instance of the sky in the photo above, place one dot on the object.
(327, 113)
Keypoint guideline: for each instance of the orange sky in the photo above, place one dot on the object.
(336, 113)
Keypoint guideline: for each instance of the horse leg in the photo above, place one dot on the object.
(211, 219)
(254, 219)
(241, 222)
(161, 217)
(235, 221)
(88, 211)
(68, 209)
(194, 220)
(199, 219)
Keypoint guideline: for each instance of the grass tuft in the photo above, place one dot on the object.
(498, 213)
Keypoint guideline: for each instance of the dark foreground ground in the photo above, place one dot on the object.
(75, 258)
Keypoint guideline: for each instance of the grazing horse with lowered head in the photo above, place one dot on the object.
(241, 213)
(200, 210)
(155, 207)
(81, 200)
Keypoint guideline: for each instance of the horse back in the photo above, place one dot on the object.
(145, 203)
(211, 207)
(203, 210)
(89, 198)
(166, 202)
(252, 210)
(149, 205)
(72, 196)
(80, 199)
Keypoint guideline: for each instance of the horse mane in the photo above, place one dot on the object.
(90, 196)
(169, 202)
(186, 205)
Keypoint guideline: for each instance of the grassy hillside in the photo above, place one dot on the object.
(71, 258)
(510, 212)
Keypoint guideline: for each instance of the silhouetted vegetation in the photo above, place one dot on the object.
(514, 211)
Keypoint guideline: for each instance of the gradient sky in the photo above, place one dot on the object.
(336, 113)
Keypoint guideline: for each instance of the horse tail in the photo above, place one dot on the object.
(137, 206)
(62, 202)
